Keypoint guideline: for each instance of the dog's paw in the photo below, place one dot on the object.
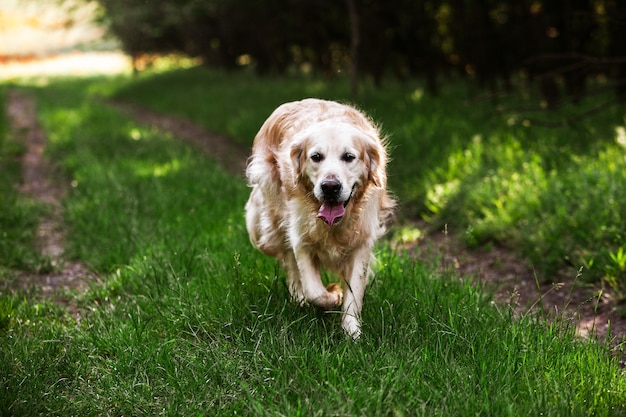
(295, 291)
(328, 298)
(352, 326)
(336, 293)
(299, 299)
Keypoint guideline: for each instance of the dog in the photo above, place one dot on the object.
(319, 201)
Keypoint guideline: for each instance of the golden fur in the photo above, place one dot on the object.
(319, 200)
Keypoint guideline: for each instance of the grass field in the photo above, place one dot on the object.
(188, 319)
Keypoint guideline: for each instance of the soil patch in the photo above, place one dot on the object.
(593, 312)
(40, 184)
(224, 150)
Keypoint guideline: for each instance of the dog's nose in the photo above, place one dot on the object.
(331, 187)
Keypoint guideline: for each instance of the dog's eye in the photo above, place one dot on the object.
(348, 157)
(317, 157)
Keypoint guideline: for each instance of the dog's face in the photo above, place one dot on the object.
(337, 161)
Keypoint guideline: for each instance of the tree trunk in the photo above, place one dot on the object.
(355, 40)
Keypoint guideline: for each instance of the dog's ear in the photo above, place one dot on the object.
(298, 159)
(374, 161)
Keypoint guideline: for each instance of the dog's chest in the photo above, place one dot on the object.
(332, 247)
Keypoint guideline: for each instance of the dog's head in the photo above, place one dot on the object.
(335, 162)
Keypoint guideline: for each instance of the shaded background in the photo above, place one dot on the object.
(560, 45)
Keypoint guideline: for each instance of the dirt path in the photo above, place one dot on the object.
(592, 312)
(224, 150)
(39, 184)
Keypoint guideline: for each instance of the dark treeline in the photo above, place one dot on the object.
(558, 43)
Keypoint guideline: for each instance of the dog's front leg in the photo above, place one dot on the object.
(356, 276)
(313, 289)
(294, 283)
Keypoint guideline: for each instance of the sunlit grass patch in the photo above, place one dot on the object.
(569, 214)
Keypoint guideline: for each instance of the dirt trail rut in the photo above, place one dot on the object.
(40, 185)
(228, 153)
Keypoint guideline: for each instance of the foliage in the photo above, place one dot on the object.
(558, 43)
(191, 320)
(142, 27)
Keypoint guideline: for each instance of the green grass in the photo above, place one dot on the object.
(188, 319)
(487, 171)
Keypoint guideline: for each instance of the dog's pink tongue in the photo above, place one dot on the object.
(331, 214)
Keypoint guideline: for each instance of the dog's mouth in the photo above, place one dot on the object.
(332, 211)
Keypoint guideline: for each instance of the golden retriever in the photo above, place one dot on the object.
(319, 200)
